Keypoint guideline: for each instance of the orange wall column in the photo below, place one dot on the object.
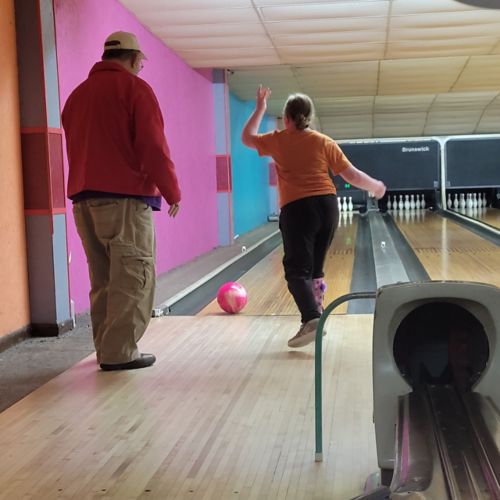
(14, 302)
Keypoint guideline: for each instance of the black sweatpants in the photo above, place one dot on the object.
(307, 228)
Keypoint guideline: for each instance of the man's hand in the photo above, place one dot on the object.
(263, 94)
(173, 209)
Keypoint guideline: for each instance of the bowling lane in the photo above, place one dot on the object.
(490, 216)
(448, 251)
(266, 286)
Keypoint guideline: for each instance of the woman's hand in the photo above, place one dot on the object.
(263, 94)
(251, 127)
(379, 191)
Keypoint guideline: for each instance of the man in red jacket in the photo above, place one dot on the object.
(119, 169)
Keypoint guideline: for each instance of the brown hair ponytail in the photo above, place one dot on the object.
(300, 110)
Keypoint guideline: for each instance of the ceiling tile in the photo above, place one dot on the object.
(451, 128)
(261, 3)
(403, 104)
(332, 10)
(335, 25)
(352, 70)
(408, 7)
(452, 33)
(202, 31)
(463, 100)
(419, 76)
(437, 48)
(208, 43)
(480, 73)
(399, 119)
(445, 19)
(342, 37)
(489, 122)
(167, 17)
(405, 131)
(184, 4)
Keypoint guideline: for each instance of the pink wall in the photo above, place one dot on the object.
(186, 98)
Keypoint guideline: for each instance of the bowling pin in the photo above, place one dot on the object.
(344, 204)
(449, 202)
(350, 206)
(422, 202)
(389, 204)
(407, 202)
(455, 201)
(401, 204)
(462, 201)
(412, 202)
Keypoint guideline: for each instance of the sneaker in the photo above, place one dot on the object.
(306, 334)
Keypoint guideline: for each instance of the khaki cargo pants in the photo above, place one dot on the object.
(119, 241)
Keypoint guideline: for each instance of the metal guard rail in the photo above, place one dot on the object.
(317, 364)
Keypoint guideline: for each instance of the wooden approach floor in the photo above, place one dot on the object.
(227, 412)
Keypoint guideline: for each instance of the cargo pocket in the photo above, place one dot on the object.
(138, 272)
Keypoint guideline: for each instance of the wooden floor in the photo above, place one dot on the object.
(227, 412)
(268, 293)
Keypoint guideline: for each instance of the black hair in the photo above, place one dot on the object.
(300, 110)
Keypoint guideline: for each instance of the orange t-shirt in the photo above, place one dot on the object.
(303, 160)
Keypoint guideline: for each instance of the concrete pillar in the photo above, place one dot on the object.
(43, 174)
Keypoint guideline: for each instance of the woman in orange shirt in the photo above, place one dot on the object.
(309, 210)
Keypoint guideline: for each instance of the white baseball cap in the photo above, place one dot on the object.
(121, 40)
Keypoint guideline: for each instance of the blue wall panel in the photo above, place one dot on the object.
(221, 146)
(250, 173)
(223, 204)
(60, 257)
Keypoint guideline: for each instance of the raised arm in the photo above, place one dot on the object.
(363, 181)
(251, 128)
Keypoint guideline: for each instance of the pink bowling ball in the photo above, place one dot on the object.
(232, 297)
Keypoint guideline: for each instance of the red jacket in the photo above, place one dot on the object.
(115, 137)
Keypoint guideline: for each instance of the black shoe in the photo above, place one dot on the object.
(142, 362)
